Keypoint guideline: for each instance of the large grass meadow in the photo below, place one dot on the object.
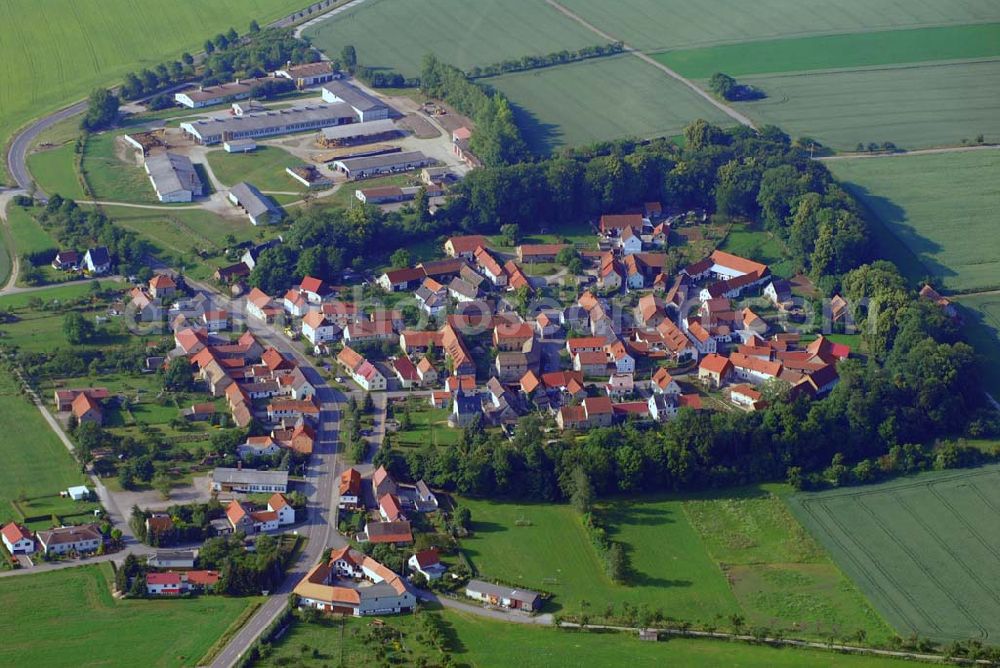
(464, 33)
(69, 617)
(606, 98)
(861, 49)
(941, 207)
(36, 463)
(61, 49)
(483, 643)
(678, 24)
(700, 559)
(923, 549)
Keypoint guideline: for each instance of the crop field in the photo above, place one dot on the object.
(483, 643)
(942, 207)
(62, 49)
(464, 33)
(982, 313)
(679, 24)
(264, 168)
(36, 464)
(837, 51)
(923, 549)
(911, 106)
(102, 630)
(606, 98)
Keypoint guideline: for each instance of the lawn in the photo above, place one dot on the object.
(28, 235)
(264, 168)
(428, 425)
(62, 293)
(463, 33)
(113, 173)
(62, 49)
(680, 24)
(924, 549)
(601, 99)
(36, 464)
(779, 574)
(54, 170)
(941, 207)
(546, 546)
(482, 643)
(758, 245)
(982, 313)
(837, 51)
(101, 630)
(42, 330)
(912, 106)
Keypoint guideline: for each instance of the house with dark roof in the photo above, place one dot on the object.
(97, 260)
(503, 596)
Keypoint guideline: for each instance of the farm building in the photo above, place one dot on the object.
(206, 96)
(249, 480)
(352, 583)
(389, 194)
(309, 176)
(367, 107)
(268, 123)
(259, 208)
(308, 74)
(240, 146)
(375, 165)
(173, 177)
(505, 597)
(359, 133)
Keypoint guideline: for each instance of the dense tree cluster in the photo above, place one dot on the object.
(548, 60)
(244, 573)
(102, 110)
(85, 228)
(730, 89)
(497, 139)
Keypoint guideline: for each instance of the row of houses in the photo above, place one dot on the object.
(82, 539)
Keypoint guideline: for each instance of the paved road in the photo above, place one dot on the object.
(320, 486)
(727, 110)
(326, 15)
(18, 154)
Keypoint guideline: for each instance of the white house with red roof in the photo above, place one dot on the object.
(163, 584)
(315, 289)
(17, 539)
(317, 328)
(282, 507)
(389, 508)
(427, 563)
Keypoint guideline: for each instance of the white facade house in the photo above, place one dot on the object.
(85, 538)
(317, 328)
(249, 480)
(17, 539)
(283, 508)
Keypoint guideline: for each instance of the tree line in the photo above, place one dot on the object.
(526, 63)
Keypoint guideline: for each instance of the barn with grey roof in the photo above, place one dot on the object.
(259, 208)
(173, 177)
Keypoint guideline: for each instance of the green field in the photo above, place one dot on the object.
(61, 49)
(54, 170)
(679, 24)
(982, 313)
(912, 106)
(264, 168)
(428, 425)
(759, 245)
(923, 549)
(781, 577)
(482, 643)
(546, 546)
(837, 51)
(69, 617)
(27, 234)
(39, 466)
(942, 207)
(112, 172)
(607, 98)
(464, 33)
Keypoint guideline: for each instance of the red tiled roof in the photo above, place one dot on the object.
(350, 482)
(715, 363)
(14, 532)
(597, 405)
(737, 263)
